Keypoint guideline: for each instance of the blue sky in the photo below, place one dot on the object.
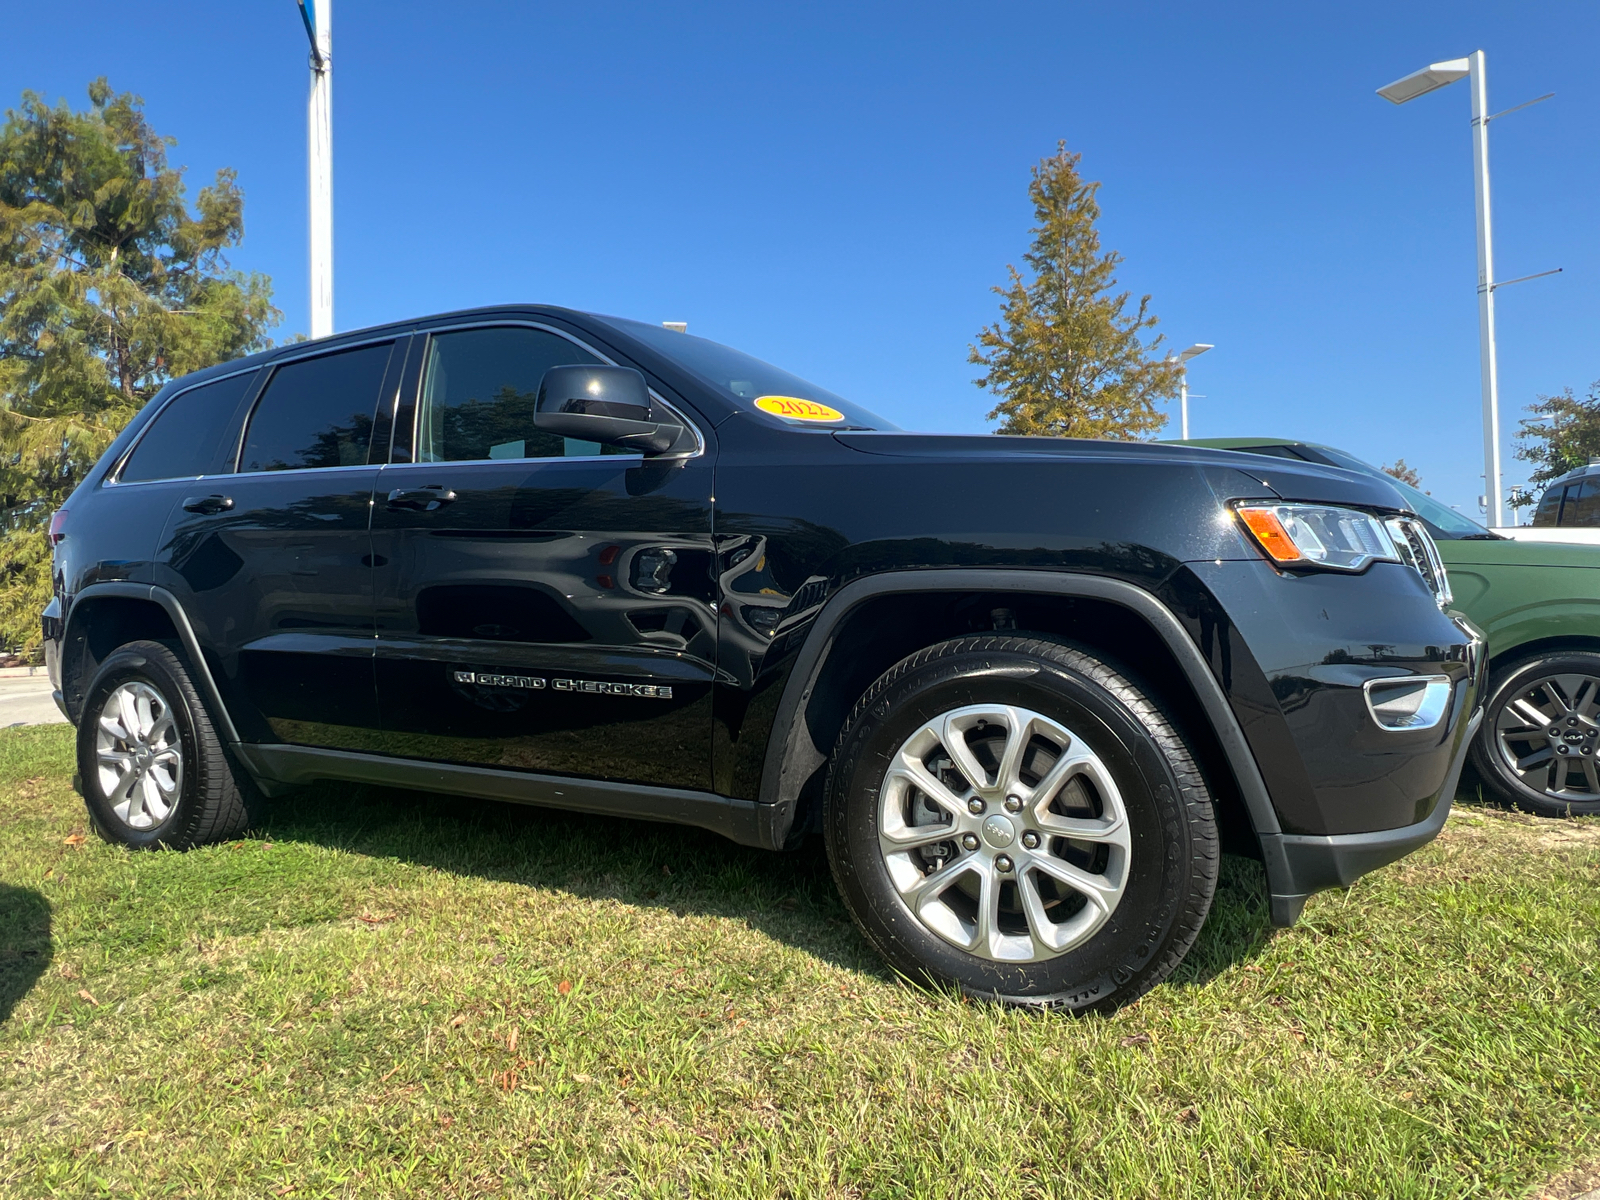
(835, 187)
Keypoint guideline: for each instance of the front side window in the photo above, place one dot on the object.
(185, 438)
(1582, 504)
(479, 391)
(317, 412)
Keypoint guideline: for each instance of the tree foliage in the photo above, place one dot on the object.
(1066, 358)
(1403, 473)
(1562, 434)
(109, 286)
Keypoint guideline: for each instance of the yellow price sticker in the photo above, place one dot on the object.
(795, 409)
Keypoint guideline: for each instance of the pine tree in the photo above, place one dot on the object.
(1066, 359)
(109, 287)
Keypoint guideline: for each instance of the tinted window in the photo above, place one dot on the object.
(185, 438)
(317, 412)
(479, 392)
(1549, 510)
(1582, 506)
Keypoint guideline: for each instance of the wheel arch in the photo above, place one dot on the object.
(104, 616)
(1540, 646)
(848, 648)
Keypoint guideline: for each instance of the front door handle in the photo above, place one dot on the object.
(422, 499)
(207, 505)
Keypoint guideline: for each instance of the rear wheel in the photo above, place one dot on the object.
(1540, 741)
(1017, 818)
(153, 771)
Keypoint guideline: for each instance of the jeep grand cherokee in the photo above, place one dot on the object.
(1024, 688)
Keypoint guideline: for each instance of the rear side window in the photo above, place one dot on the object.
(317, 412)
(185, 437)
(479, 391)
(1549, 511)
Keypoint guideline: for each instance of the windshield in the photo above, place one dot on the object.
(1446, 521)
(754, 384)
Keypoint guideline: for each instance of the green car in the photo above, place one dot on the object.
(1538, 603)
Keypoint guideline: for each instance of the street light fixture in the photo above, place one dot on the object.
(1420, 83)
(317, 16)
(1182, 359)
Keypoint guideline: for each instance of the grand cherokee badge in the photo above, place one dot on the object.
(535, 683)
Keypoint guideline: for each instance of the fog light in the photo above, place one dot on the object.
(1409, 703)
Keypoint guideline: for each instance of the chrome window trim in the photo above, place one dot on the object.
(524, 323)
(290, 359)
(113, 477)
(297, 471)
(632, 459)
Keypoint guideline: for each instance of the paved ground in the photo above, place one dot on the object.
(25, 699)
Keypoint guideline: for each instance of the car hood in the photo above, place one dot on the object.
(1284, 478)
(1517, 552)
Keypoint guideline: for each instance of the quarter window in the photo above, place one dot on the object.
(317, 412)
(185, 438)
(479, 392)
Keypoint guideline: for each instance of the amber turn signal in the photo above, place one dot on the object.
(1263, 523)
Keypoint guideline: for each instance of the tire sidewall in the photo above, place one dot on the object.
(1510, 682)
(1114, 958)
(146, 664)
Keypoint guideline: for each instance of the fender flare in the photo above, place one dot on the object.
(149, 592)
(792, 757)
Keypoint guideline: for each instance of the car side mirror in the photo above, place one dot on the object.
(609, 405)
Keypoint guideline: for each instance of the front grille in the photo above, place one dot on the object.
(1419, 553)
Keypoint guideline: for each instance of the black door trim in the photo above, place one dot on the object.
(733, 819)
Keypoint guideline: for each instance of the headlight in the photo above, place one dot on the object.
(1318, 535)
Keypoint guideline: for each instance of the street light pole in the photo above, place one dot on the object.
(1420, 83)
(1182, 359)
(1489, 367)
(318, 18)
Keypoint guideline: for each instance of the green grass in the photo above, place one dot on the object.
(328, 1009)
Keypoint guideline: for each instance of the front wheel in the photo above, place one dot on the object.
(1540, 740)
(153, 770)
(1017, 818)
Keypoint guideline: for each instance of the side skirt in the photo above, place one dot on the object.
(737, 820)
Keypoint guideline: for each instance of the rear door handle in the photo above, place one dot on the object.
(207, 505)
(422, 499)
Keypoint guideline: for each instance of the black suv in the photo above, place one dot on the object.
(1026, 689)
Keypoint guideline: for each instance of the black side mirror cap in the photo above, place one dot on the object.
(609, 405)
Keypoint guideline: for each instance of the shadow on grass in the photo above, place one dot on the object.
(790, 897)
(25, 946)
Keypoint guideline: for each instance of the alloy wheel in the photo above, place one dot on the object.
(1004, 833)
(139, 756)
(1548, 734)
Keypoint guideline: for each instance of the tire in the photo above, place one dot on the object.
(185, 790)
(1511, 751)
(1124, 779)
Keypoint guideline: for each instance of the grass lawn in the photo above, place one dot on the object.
(385, 994)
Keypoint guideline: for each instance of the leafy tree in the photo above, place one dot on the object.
(1563, 433)
(109, 287)
(1066, 359)
(1403, 473)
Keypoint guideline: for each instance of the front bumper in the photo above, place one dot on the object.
(1302, 864)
